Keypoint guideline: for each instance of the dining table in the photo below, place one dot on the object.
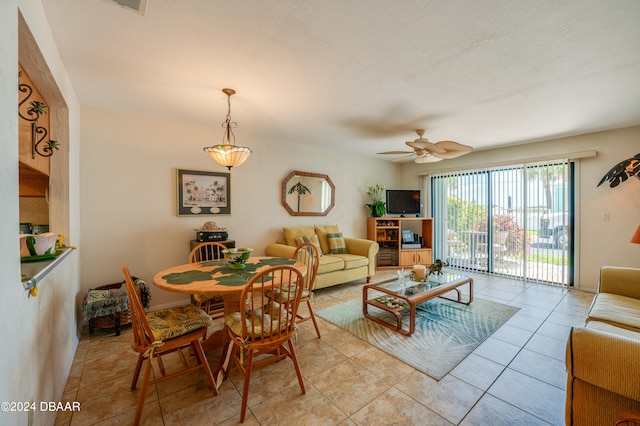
(216, 277)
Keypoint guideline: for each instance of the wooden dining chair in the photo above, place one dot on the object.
(263, 326)
(162, 332)
(210, 303)
(307, 253)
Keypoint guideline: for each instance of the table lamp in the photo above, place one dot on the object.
(636, 236)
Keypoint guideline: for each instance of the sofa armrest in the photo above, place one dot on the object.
(605, 360)
(620, 280)
(366, 248)
(280, 250)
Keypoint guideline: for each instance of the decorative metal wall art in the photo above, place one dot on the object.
(32, 114)
(623, 171)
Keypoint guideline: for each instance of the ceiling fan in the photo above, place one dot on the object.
(427, 152)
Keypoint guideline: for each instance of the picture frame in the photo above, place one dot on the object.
(407, 236)
(202, 193)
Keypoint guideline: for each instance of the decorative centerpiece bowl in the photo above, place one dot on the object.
(237, 257)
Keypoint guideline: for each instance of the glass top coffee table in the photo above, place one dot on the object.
(394, 298)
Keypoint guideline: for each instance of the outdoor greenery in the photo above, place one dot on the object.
(463, 215)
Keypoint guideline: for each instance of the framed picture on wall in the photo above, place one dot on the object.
(203, 193)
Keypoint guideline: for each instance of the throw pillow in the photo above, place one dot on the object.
(322, 232)
(337, 244)
(290, 234)
(312, 239)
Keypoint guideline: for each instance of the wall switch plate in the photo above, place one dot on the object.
(605, 216)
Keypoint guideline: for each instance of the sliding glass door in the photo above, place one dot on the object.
(512, 221)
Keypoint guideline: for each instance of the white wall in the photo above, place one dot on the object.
(598, 242)
(128, 192)
(39, 335)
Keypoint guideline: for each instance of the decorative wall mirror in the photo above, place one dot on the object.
(307, 194)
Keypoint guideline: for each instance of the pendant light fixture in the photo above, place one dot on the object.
(228, 154)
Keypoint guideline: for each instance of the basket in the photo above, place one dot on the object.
(103, 316)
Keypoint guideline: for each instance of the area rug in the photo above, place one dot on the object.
(445, 333)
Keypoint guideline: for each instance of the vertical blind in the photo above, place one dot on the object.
(512, 221)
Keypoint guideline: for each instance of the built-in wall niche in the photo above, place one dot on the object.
(34, 210)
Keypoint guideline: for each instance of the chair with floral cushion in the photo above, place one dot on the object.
(306, 253)
(159, 333)
(210, 303)
(262, 332)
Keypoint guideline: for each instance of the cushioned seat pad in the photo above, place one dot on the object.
(254, 323)
(286, 294)
(174, 322)
(615, 309)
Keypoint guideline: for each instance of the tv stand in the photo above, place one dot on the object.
(387, 232)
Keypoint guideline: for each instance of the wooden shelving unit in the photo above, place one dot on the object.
(387, 232)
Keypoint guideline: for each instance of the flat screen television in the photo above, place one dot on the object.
(403, 201)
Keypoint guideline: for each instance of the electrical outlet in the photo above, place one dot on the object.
(605, 216)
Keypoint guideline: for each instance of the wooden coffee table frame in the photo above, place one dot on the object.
(412, 300)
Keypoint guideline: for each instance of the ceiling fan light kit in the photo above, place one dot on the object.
(428, 152)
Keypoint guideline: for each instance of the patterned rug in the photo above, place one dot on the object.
(445, 333)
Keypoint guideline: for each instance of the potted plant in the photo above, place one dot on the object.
(377, 207)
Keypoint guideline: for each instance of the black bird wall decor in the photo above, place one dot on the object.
(623, 171)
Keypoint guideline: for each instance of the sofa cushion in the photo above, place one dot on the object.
(613, 329)
(352, 261)
(291, 233)
(330, 263)
(312, 239)
(336, 243)
(617, 310)
(322, 232)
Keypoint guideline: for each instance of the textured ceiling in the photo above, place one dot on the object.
(360, 76)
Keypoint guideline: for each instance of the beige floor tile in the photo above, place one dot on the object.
(478, 371)
(264, 380)
(525, 322)
(358, 377)
(345, 342)
(315, 356)
(492, 411)
(557, 331)
(383, 365)
(289, 407)
(349, 385)
(548, 346)
(198, 405)
(514, 335)
(531, 395)
(451, 398)
(396, 408)
(497, 351)
(541, 367)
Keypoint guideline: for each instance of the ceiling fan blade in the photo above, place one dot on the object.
(395, 152)
(404, 157)
(452, 149)
(425, 145)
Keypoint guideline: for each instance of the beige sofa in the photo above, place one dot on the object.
(603, 357)
(335, 268)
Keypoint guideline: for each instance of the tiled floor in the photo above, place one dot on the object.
(516, 377)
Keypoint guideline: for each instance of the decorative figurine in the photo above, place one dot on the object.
(436, 267)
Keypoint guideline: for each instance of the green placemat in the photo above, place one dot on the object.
(229, 276)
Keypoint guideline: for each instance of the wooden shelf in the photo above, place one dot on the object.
(388, 233)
